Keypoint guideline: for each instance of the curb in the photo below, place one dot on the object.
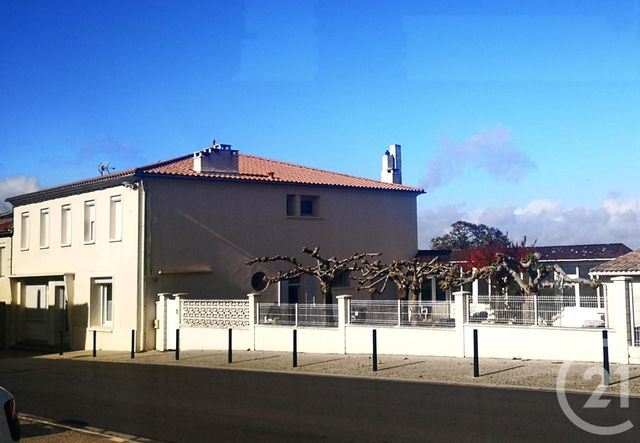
(90, 430)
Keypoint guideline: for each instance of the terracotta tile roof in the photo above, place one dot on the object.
(628, 263)
(251, 168)
(596, 252)
(6, 224)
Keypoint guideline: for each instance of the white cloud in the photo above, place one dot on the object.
(12, 186)
(493, 151)
(547, 221)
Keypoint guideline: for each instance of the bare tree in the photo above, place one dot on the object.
(326, 270)
(529, 274)
(408, 276)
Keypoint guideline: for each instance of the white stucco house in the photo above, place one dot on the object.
(94, 254)
(621, 278)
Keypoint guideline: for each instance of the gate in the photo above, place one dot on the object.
(36, 304)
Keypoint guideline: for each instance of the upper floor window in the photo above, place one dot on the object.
(308, 206)
(291, 204)
(44, 228)
(302, 205)
(24, 231)
(90, 221)
(65, 225)
(115, 218)
(1, 261)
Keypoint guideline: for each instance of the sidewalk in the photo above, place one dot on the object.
(533, 374)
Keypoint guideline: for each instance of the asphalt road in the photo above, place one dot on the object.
(184, 404)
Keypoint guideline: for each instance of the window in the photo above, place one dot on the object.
(115, 218)
(291, 205)
(102, 302)
(308, 206)
(342, 280)
(302, 205)
(65, 225)
(44, 228)
(89, 221)
(1, 261)
(24, 231)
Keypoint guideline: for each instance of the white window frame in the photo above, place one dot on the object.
(65, 225)
(104, 290)
(45, 226)
(24, 231)
(89, 222)
(115, 218)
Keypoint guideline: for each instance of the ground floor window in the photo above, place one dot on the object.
(101, 302)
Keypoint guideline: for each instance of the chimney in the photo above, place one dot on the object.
(217, 158)
(392, 165)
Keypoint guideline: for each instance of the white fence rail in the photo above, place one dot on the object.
(214, 313)
(317, 315)
(540, 310)
(401, 313)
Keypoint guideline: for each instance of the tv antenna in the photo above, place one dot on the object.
(105, 168)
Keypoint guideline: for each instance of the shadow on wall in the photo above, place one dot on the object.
(78, 324)
(43, 326)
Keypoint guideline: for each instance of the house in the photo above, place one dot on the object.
(625, 272)
(575, 260)
(93, 255)
(6, 232)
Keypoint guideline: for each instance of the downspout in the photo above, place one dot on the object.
(141, 334)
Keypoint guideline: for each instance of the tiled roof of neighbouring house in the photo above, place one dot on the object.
(6, 224)
(627, 263)
(595, 252)
(250, 169)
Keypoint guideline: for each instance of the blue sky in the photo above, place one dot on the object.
(523, 115)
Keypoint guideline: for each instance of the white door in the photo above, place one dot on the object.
(37, 306)
(173, 322)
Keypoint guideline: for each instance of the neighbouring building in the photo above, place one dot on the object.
(93, 255)
(6, 233)
(622, 277)
(575, 260)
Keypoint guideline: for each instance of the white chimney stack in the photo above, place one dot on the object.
(392, 165)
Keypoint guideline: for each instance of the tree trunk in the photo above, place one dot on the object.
(327, 294)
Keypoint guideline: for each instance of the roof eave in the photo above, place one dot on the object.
(63, 191)
(277, 182)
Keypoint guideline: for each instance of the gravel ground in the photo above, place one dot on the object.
(533, 374)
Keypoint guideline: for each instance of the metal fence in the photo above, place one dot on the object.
(401, 313)
(214, 313)
(541, 310)
(297, 315)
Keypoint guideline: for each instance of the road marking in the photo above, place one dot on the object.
(91, 430)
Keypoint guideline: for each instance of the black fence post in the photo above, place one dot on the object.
(61, 342)
(606, 375)
(476, 364)
(375, 350)
(177, 344)
(133, 343)
(94, 343)
(230, 351)
(295, 348)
